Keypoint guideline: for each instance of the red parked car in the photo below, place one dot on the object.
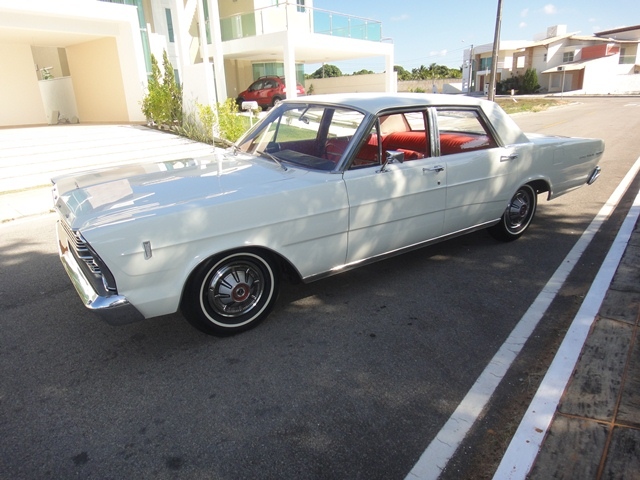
(268, 91)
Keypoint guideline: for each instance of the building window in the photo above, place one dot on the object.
(520, 62)
(300, 4)
(567, 57)
(485, 63)
(544, 58)
(167, 12)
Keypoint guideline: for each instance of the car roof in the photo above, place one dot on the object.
(375, 102)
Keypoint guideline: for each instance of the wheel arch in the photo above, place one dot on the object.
(540, 185)
(284, 267)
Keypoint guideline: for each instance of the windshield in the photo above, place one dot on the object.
(310, 136)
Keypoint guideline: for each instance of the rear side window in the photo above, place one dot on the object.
(462, 130)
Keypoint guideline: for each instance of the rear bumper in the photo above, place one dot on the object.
(113, 309)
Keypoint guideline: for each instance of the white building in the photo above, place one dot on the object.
(98, 51)
(606, 63)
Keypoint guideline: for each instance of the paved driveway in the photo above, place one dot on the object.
(29, 157)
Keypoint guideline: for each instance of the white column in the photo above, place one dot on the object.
(390, 78)
(290, 66)
(181, 32)
(218, 55)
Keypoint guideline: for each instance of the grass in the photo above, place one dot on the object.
(517, 105)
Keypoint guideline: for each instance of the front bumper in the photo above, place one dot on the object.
(113, 309)
(594, 175)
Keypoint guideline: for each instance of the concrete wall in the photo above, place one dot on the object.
(98, 82)
(197, 88)
(19, 93)
(376, 83)
(347, 84)
(441, 85)
(599, 80)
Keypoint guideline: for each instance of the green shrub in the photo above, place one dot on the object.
(211, 124)
(522, 84)
(162, 105)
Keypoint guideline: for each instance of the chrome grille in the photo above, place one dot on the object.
(79, 246)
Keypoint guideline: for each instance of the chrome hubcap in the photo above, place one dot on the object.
(518, 210)
(235, 289)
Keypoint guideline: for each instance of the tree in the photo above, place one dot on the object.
(326, 71)
(174, 93)
(364, 71)
(162, 104)
(530, 81)
(402, 73)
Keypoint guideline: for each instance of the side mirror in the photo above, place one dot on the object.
(390, 157)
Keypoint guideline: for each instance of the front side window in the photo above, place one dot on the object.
(305, 135)
(462, 130)
(404, 132)
(567, 57)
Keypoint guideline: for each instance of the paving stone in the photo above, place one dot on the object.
(627, 277)
(629, 410)
(623, 460)
(623, 306)
(572, 449)
(596, 382)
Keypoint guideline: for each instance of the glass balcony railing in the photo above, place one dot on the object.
(287, 16)
(339, 25)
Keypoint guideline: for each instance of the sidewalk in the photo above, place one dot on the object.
(595, 430)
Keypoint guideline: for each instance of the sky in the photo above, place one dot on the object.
(428, 31)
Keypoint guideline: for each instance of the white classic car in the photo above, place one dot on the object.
(320, 185)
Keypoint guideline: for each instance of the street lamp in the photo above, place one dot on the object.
(561, 69)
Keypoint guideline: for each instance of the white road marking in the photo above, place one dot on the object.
(526, 442)
(443, 447)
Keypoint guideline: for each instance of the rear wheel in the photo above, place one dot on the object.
(518, 215)
(276, 101)
(230, 293)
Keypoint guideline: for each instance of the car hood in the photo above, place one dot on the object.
(121, 193)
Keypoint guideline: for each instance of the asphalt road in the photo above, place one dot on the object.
(350, 377)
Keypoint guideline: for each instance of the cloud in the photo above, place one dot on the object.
(400, 18)
(550, 9)
(522, 24)
(592, 20)
(524, 12)
(438, 53)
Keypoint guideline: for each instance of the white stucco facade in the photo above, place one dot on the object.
(605, 63)
(102, 48)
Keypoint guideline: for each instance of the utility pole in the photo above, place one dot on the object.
(470, 68)
(494, 56)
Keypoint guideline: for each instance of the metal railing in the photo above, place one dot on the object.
(288, 15)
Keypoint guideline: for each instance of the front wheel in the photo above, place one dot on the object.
(518, 215)
(230, 293)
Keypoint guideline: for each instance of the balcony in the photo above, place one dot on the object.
(287, 16)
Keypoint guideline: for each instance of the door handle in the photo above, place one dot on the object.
(435, 168)
(506, 158)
